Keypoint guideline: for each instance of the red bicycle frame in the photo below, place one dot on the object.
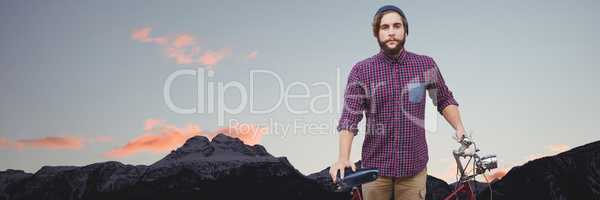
(464, 187)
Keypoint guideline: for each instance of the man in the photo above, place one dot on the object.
(389, 88)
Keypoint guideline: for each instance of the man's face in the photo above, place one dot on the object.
(391, 33)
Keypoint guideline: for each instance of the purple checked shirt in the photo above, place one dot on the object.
(391, 94)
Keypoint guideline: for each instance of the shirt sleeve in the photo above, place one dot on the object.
(440, 95)
(355, 101)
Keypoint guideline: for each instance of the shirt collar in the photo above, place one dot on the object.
(392, 59)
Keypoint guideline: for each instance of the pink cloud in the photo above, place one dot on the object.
(160, 137)
(5, 143)
(167, 138)
(53, 143)
(50, 142)
(142, 34)
(252, 55)
(184, 40)
(182, 48)
(211, 58)
(180, 55)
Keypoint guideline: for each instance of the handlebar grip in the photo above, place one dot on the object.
(352, 179)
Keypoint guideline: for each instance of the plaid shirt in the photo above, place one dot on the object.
(391, 93)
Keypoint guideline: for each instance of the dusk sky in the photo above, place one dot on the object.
(85, 81)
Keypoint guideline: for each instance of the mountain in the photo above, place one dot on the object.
(223, 168)
(10, 177)
(226, 168)
(574, 174)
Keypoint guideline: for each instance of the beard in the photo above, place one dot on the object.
(392, 51)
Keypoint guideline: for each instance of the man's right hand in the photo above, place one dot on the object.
(340, 166)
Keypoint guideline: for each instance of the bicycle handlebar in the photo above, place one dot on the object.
(352, 179)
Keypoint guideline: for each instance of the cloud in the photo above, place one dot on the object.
(182, 48)
(143, 35)
(53, 143)
(184, 40)
(252, 55)
(211, 58)
(179, 52)
(181, 56)
(160, 137)
(50, 142)
(5, 143)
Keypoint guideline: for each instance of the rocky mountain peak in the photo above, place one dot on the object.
(222, 147)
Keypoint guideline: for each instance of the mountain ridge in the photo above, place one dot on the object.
(226, 168)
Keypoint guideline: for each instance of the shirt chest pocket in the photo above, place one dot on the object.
(416, 92)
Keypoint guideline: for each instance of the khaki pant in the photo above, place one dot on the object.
(403, 188)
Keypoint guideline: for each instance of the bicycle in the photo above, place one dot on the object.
(479, 166)
(353, 180)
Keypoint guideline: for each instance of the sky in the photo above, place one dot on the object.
(93, 81)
